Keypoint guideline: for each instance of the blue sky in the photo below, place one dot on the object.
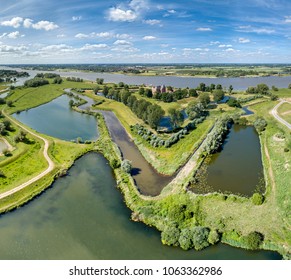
(145, 31)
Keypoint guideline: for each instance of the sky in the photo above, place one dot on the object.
(145, 31)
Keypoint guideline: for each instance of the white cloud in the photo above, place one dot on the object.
(214, 43)
(81, 36)
(204, 29)
(61, 36)
(225, 46)
(288, 19)
(152, 21)
(76, 18)
(117, 14)
(53, 48)
(14, 22)
(230, 50)
(148, 38)
(12, 35)
(122, 42)
(250, 29)
(89, 47)
(12, 49)
(171, 11)
(129, 12)
(45, 25)
(138, 5)
(27, 23)
(244, 40)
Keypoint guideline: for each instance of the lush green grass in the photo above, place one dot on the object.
(26, 98)
(285, 111)
(282, 92)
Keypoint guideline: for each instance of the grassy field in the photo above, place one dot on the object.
(285, 112)
(282, 92)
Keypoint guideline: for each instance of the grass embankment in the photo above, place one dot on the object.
(27, 161)
(25, 98)
(231, 216)
(164, 160)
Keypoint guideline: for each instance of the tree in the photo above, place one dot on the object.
(219, 87)
(99, 81)
(176, 116)
(71, 103)
(195, 110)
(126, 166)
(185, 239)
(200, 237)
(124, 96)
(170, 236)
(154, 114)
(260, 124)
(204, 98)
(230, 89)
(289, 86)
(218, 95)
(213, 237)
(253, 240)
(7, 125)
(232, 102)
(105, 91)
(202, 87)
(96, 89)
(262, 89)
(257, 199)
(9, 103)
(141, 90)
(193, 92)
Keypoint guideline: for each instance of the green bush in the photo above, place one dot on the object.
(114, 163)
(126, 166)
(213, 237)
(185, 239)
(170, 236)
(200, 237)
(253, 240)
(257, 199)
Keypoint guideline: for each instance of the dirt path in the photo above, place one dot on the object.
(51, 164)
(286, 113)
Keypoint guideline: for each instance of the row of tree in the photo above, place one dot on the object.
(36, 82)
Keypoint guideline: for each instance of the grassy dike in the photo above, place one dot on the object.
(165, 160)
(232, 217)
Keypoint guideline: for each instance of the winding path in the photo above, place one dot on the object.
(51, 164)
(276, 115)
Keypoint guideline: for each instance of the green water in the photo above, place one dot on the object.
(83, 216)
(237, 168)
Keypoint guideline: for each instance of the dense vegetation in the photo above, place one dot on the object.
(36, 82)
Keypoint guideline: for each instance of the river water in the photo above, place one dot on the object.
(83, 216)
(182, 82)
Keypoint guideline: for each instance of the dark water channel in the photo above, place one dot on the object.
(149, 182)
(83, 216)
(237, 168)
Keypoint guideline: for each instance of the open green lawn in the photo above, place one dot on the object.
(285, 111)
(282, 92)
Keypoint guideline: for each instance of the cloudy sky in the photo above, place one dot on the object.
(145, 31)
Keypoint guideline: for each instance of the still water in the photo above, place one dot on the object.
(57, 119)
(83, 216)
(237, 168)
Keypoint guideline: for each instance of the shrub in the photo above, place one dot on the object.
(253, 240)
(114, 163)
(126, 166)
(213, 237)
(260, 124)
(185, 239)
(200, 237)
(2, 175)
(257, 199)
(170, 236)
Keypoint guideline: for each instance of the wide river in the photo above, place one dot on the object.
(182, 82)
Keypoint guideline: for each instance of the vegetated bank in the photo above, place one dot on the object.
(190, 220)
